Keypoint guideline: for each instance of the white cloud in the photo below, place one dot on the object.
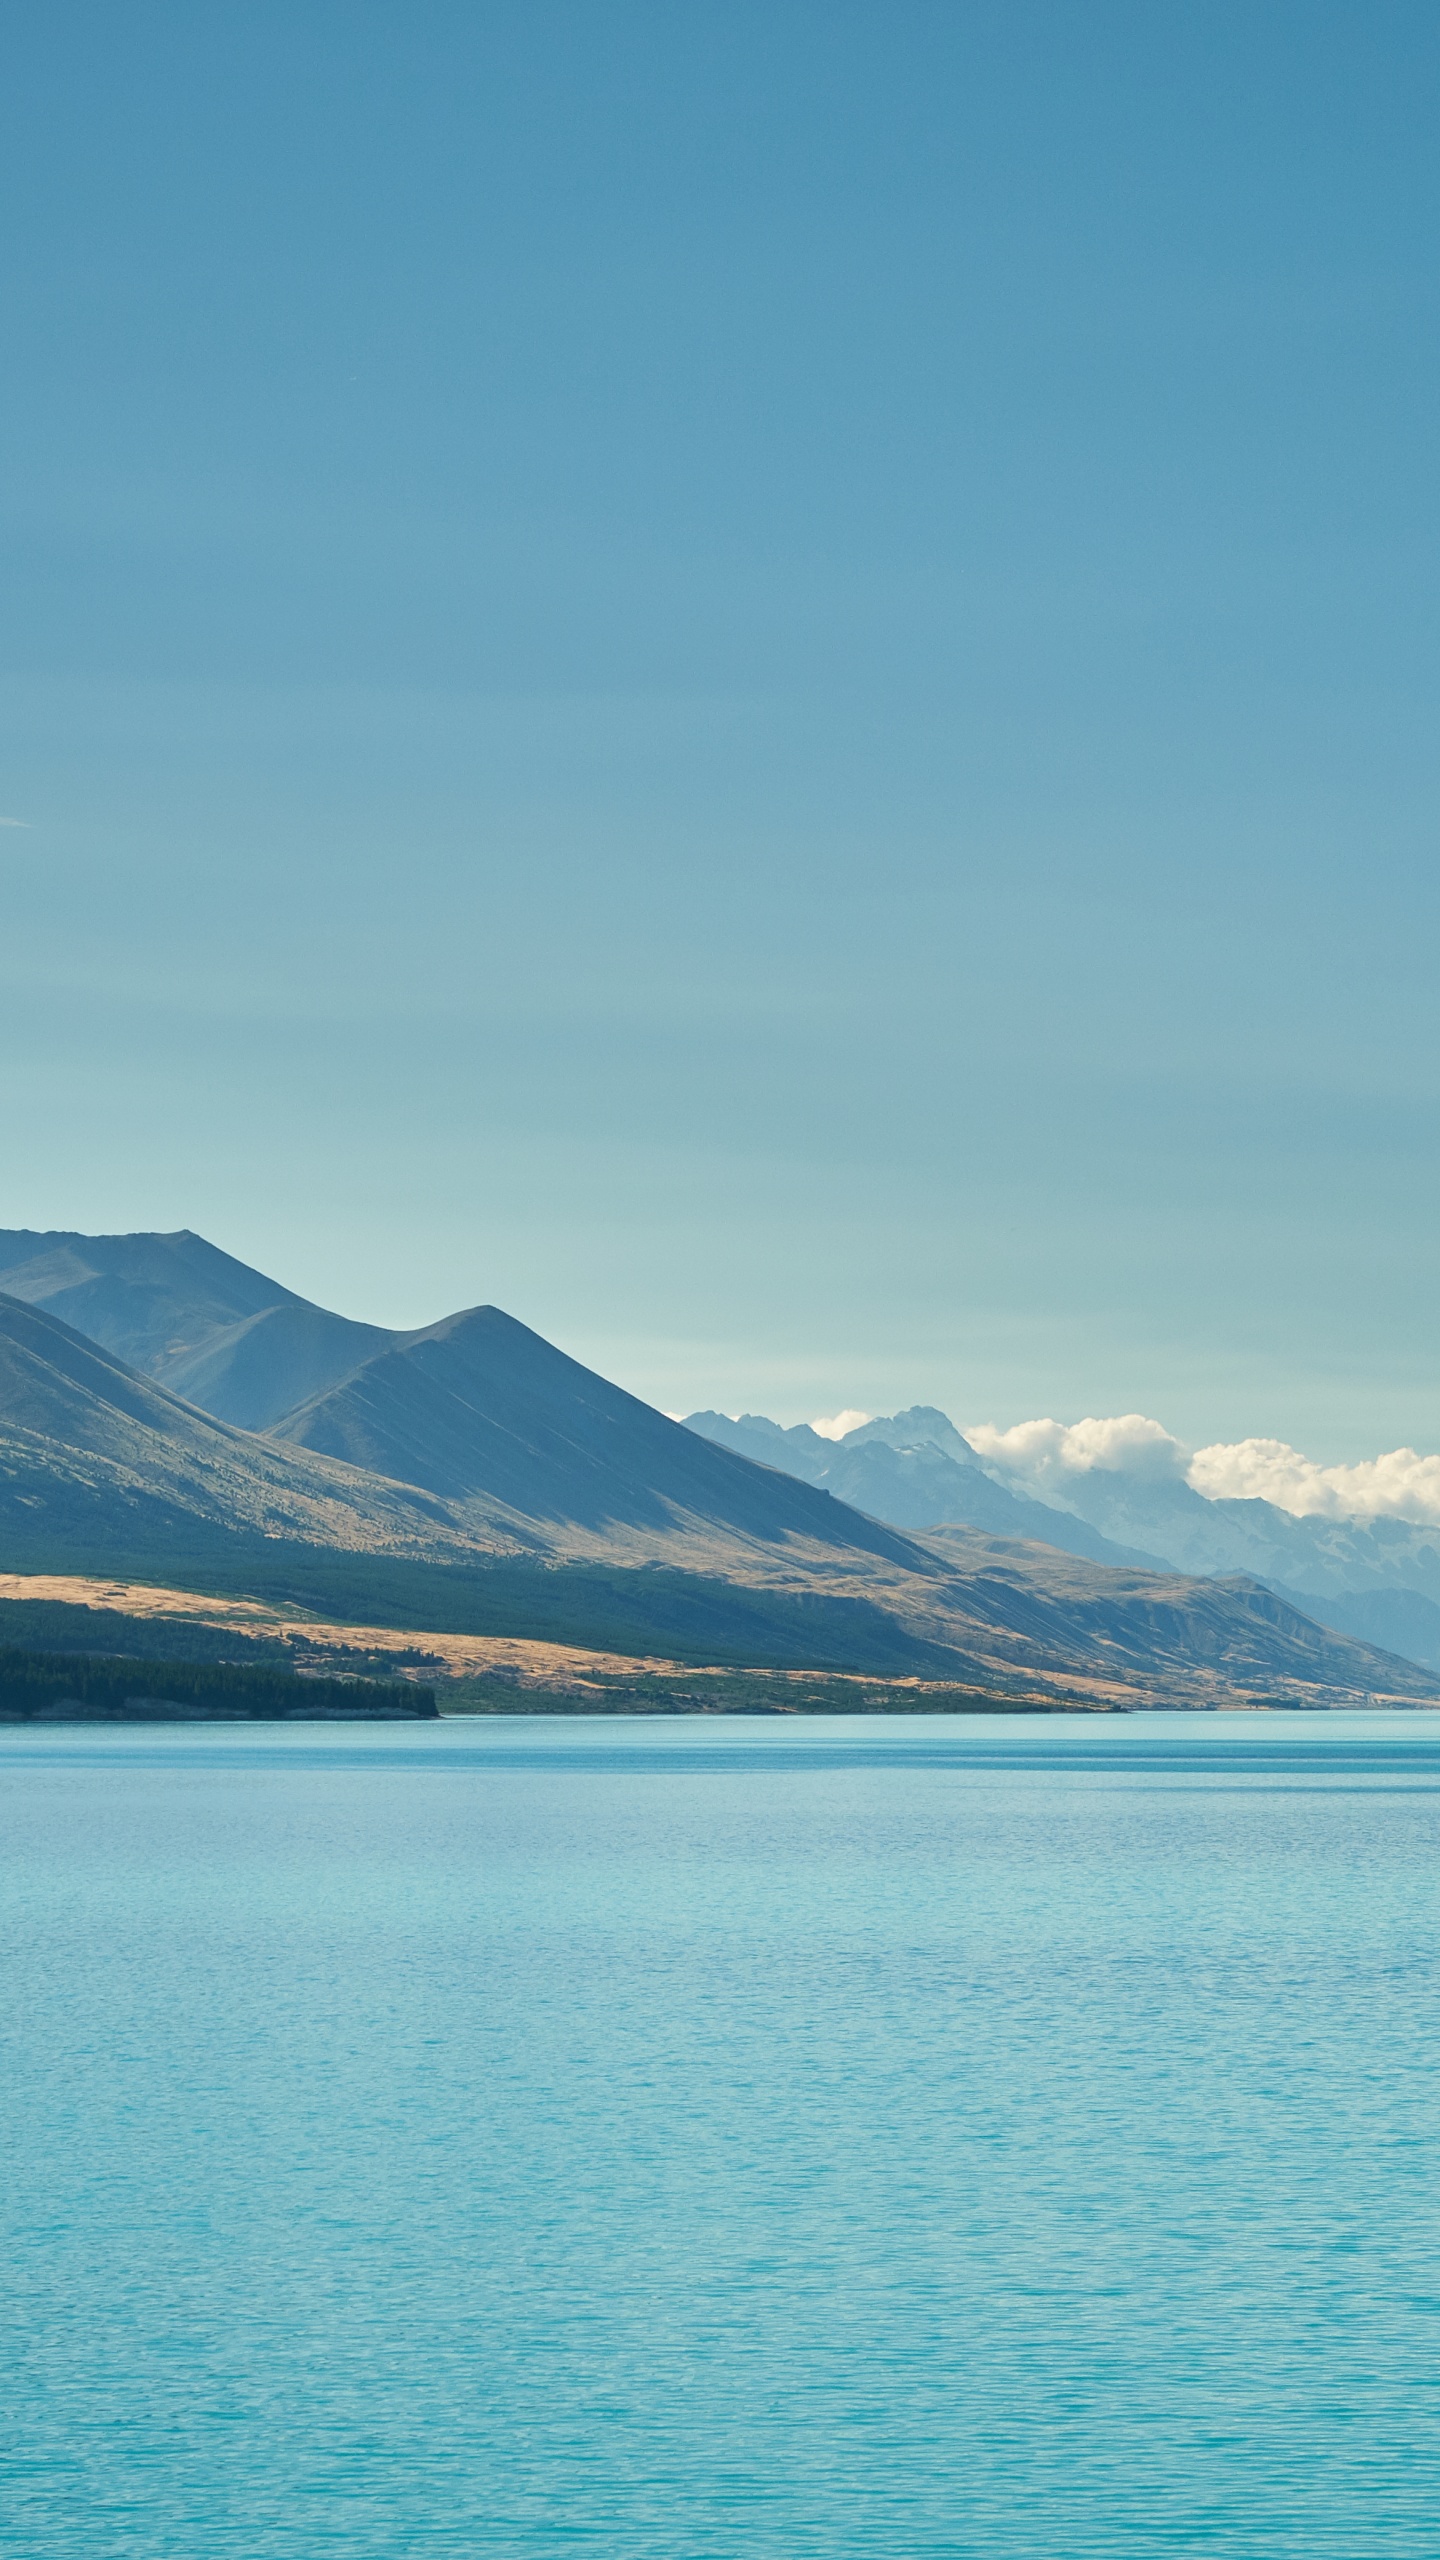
(1045, 1452)
(1043, 1456)
(1400, 1485)
(15, 822)
(835, 1425)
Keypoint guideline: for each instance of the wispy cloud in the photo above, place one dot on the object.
(833, 1426)
(14, 822)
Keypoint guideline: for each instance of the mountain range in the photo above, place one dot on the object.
(470, 1437)
(166, 1408)
(1376, 1579)
(915, 1470)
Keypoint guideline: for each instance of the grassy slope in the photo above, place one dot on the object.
(1012, 1620)
(639, 1610)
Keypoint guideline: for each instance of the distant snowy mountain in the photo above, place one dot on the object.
(916, 1472)
(1119, 1496)
(1137, 1492)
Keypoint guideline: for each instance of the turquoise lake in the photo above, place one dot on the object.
(951, 2137)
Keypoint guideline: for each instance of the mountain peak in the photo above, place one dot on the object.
(188, 1315)
(920, 1426)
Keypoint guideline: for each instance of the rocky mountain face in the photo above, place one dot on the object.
(479, 1408)
(473, 1439)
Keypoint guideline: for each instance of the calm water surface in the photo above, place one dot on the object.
(951, 2138)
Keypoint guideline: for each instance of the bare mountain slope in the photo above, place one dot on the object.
(479, 1408)
(1164, 1631)
(88, 1446)
(507, 1447)
(195, 1319)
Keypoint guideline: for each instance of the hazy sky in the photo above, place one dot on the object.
(761, 681)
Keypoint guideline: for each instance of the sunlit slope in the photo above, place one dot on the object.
(1136, 1626)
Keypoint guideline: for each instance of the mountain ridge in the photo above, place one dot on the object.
(1382, 1576)
(475, 1451)
(914, 1482)
(190, 1316)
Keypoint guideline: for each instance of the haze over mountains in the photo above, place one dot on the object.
(154, 1393)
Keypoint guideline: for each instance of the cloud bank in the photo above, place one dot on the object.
(1399, 1485)
(1047, 1452)
(1044, 1456)
(833, 1426)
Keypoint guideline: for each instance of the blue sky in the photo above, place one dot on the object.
(760, 681)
